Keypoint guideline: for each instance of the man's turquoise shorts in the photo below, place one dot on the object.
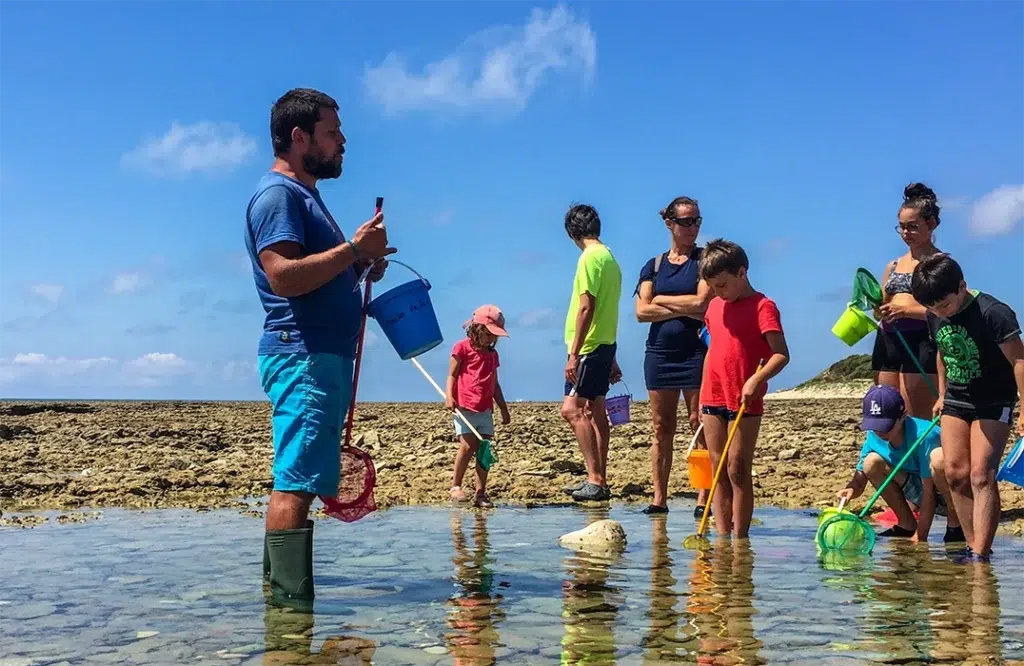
(310, 395)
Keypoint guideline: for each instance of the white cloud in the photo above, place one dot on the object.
(157, 364)
(126, 283)
(155, 369)
(998, 212)
(204, 146)
(40, 365)
(48, 292)
(370, 339)
(501, 66)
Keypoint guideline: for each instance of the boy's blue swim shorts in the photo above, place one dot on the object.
(310, 395)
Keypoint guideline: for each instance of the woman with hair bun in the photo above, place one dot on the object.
(918, 217)
(671, 297)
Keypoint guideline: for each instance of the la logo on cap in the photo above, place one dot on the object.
(876, 409)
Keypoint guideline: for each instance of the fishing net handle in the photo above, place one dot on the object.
(722, 459)
(442, 393)
(896, 468)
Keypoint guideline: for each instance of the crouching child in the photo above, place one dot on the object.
(920, 484)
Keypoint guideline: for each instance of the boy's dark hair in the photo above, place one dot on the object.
(722, 256)
(300, 108)
(921, 198)
(670, 209)
(935, 278)
(582, 221)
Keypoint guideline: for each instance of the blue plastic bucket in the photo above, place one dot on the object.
(407, 317)
(1012, 469)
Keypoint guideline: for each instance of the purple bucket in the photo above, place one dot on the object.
(618, 408)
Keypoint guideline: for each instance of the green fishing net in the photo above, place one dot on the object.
(867, 293)
(845, 531)
(486, 455)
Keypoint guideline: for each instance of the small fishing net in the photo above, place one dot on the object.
(845, 531)
(486, 455)
(355, 490)
(867, 293)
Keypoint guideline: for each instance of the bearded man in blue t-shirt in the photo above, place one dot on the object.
(306, 274)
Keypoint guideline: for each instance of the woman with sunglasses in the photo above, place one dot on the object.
(671, 297)
(900, 312)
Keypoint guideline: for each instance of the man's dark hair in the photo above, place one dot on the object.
(582, 221)
(299, 107)
(935, 278)
(722, 256)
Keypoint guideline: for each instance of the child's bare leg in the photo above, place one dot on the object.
(467, 450)
(938, 467)
(877, 470)
(481, 480)
(988, 437)
(956, 457)
(715, 432)
(739, 464)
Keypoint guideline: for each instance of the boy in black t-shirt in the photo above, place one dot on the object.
(981, 373)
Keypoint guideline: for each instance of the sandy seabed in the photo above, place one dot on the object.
(203, 455)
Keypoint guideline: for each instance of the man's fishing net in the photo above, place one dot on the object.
(355, 490)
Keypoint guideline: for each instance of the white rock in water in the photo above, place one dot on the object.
(599, 535)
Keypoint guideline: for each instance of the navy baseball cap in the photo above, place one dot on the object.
(883, 407)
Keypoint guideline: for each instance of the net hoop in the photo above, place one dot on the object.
(856, 527)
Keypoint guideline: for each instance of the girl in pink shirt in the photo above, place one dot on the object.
(473, 388)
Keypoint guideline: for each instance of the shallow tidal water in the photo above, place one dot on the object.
(449, 586)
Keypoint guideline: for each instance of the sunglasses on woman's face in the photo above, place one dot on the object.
(686, 221)
(911, 228)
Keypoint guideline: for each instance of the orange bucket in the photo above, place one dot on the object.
(699, 462)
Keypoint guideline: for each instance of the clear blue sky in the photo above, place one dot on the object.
(132, 136)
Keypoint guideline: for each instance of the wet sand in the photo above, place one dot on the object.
(62, 456)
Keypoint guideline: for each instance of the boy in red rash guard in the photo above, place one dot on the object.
(746, 330)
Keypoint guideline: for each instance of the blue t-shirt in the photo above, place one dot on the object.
(679, 335)
(325, 320)
(919, 462)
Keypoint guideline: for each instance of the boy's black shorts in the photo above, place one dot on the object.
(593, 374)
(1001, 413)
(889, 354)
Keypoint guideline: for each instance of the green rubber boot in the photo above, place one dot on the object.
(291, 566)
(266, 558)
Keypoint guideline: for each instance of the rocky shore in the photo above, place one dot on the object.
(90, 455)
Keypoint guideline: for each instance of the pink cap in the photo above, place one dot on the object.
(491, 317)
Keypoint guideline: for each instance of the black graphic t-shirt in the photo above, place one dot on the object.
(977, 372)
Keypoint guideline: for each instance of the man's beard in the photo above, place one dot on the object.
(321, 167)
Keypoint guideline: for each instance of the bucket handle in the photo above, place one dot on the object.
(366, 273)
(693, 441)
(628, 393)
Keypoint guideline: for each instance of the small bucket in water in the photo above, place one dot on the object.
(618, 407)
(853, 326)
(407, 317)
(699, 462)
(1012, 469)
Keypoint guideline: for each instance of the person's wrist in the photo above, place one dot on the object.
(356, 252)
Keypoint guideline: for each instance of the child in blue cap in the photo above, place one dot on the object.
(890, 432)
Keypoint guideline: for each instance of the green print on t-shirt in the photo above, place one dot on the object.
(959, 353)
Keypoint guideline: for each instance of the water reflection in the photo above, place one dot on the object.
(288, 639)
(925, 608)
(474, 610)
(665, 641)
(721, 602)
(590, 604)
